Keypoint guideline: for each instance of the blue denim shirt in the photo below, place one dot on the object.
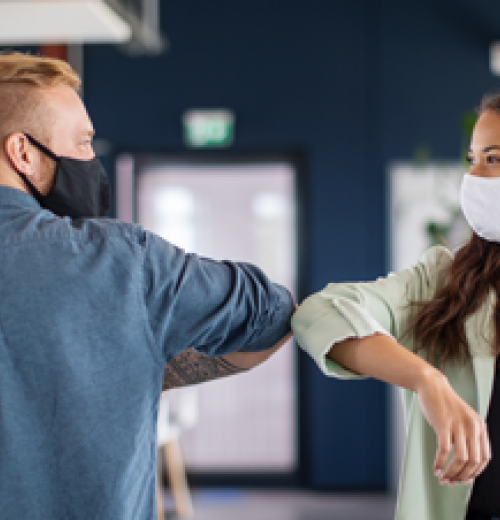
(90, 313)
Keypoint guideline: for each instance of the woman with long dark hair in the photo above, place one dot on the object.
(433, 330)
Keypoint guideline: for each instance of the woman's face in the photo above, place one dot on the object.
(484, 151)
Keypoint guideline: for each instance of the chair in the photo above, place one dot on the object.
(178, 411)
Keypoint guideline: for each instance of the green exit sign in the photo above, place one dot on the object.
(208, 128)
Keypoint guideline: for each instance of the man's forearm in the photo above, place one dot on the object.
(191, 367)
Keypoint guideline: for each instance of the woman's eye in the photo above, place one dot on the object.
(469, 160)
(494, 159)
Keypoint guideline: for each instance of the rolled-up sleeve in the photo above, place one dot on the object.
(357, 310)
(213, 307)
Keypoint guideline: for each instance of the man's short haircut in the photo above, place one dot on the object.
(17, 68)
(23, 77)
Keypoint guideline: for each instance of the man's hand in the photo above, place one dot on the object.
(459, 429)
(191, 367)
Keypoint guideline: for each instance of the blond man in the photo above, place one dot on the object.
(95, 314)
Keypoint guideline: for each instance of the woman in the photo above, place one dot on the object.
(434, 330)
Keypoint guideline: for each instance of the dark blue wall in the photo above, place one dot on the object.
(355, 84)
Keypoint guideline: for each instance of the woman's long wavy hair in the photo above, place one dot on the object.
(439, 325)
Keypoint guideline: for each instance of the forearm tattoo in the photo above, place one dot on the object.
(191, 367)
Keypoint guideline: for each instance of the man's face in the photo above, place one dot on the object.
(56, 117)
(65, 128)
(69, 129)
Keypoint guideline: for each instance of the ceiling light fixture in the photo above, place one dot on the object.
(35, 22)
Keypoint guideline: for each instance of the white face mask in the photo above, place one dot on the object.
(480, 203)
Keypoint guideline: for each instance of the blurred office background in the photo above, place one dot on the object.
(321, 140)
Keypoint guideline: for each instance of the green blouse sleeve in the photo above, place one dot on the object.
(356, 310)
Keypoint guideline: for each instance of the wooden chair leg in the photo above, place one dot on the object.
(159, 495)
(159, 502)
(178, 481)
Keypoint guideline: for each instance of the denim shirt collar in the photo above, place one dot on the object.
(12, 197)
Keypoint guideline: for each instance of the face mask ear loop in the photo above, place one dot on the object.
(38, 196)
(41, 147)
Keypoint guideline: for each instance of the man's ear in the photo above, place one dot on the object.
(21, 154)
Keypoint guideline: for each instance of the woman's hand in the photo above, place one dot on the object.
(460, 430)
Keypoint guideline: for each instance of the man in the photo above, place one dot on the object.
(95, 314)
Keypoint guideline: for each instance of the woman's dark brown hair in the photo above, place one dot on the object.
(439, 325)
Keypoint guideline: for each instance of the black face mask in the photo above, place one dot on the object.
(81, 188)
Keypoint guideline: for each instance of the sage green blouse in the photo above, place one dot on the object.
(347, 310)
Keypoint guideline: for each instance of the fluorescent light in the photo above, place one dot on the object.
(32, 22)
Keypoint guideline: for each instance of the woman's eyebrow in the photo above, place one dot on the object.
(493, 147)
(488, 148)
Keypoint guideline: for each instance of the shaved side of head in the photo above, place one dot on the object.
(22, 110)
(24, 80)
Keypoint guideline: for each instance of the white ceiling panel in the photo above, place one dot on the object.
(34, 22)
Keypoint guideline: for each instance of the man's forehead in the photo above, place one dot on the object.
(67, 109)
(61, 98)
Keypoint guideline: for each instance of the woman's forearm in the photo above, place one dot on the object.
(381, 357)
(460, 430)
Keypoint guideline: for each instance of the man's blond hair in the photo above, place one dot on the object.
(23, 78)
(17, 68)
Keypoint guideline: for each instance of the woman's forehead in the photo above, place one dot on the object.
(487, 130)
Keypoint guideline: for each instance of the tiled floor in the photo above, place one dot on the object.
(251, 505)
